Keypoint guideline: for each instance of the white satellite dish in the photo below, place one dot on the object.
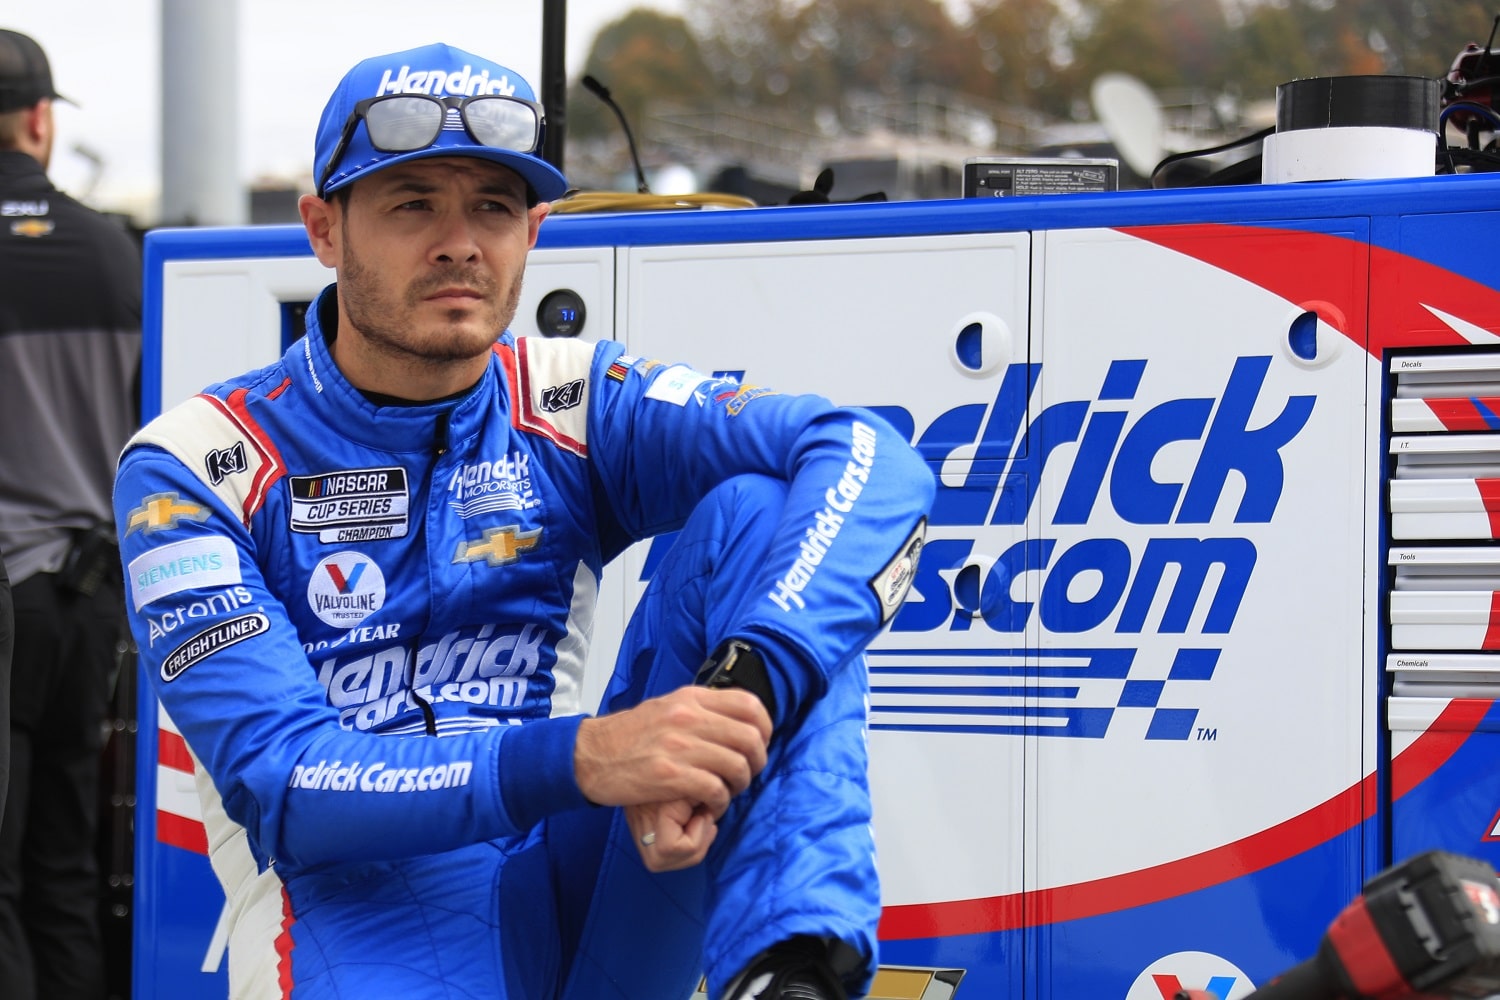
(1131, 114)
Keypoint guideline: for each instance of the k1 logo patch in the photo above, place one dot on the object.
(563, 397)
(225, 462)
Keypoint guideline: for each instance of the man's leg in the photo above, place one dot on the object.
(36, 628)
(12, 941)
(7, 642)
(17, 972)
(71, 641)
(793, 857)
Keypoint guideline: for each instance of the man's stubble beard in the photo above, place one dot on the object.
(378, 318)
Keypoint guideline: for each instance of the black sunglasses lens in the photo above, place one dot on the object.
(503, 123)
(400, 124)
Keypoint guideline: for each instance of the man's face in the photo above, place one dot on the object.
(430, 256)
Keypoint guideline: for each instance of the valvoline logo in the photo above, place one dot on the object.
(345, 589)
(1164, 978)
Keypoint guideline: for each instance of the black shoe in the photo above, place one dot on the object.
(796, 969)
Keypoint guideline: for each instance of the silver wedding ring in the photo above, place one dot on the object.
(648, 838)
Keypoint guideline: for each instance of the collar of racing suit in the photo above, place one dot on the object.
(407, 428)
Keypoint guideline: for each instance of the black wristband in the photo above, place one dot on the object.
(737, 664)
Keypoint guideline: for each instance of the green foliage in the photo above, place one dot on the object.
(802, 57)
(1021, 49)
(643, 57)
(1166, 44)
(805, 56)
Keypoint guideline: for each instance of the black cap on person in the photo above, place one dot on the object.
(25, 76)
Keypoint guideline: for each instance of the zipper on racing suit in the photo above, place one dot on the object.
(439, 449)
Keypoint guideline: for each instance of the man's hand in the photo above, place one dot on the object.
(692, 749)
(679, 834)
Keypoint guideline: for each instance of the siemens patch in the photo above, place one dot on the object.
(211, 640)
(355, 505)
(678, 385)
(188, 565)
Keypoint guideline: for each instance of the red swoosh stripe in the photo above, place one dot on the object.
(1243, 857)
(1303, 267)
(178, 831)
(172, 751)
(284, 945)
(1492, 633)
(1460, 414)
(1489, 495)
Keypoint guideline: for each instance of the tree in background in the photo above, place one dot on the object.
(805, 56)
(1271, 47)
(804, 59)
(643, 57)
(1283, 40)
(1166, 44)
(1023, 45)
(1414, 37)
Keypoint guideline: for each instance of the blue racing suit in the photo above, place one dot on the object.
(319, 584)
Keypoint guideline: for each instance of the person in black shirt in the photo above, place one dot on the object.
(70, 306)
(7, 629)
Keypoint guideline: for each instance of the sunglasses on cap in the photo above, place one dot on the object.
(404, 123)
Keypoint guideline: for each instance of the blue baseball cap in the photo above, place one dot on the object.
(437, 71)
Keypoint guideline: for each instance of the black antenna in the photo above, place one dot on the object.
(600, 91)
(554, 82)
(1489, 46)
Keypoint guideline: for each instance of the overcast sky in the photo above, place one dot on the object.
(106, 56)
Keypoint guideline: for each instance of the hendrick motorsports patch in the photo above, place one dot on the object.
(211, 640)
(893, 582)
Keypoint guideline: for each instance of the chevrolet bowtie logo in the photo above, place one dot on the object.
(499, 546)
(32, 227)
(161, 511)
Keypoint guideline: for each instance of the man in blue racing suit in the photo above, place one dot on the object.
(397, 532)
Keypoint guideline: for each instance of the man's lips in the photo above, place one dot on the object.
(447, 294)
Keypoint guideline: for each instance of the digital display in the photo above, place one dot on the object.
(561, 314)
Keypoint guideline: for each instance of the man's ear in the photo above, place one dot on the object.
(534, 216)
(321, 220)
(39, 122)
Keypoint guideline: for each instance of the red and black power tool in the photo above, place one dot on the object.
(1428, 927)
